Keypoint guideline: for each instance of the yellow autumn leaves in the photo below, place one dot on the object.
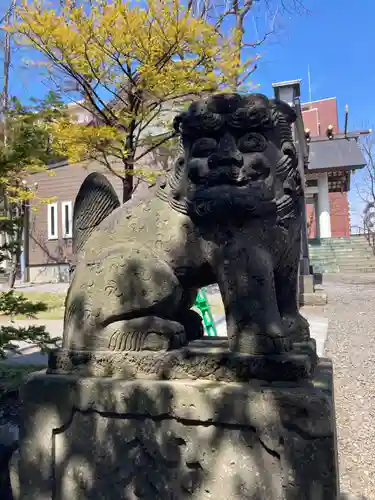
(111, 41)
(79, 142)
(139, 54)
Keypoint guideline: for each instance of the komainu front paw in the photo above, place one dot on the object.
(296, 327)
(150, 333)
(259, 344)
(269, 339)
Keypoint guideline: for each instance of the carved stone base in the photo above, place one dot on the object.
(208, 359)
(105, 439)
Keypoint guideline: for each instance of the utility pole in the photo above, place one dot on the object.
(309, 80)
(4, 100)
(11, 211)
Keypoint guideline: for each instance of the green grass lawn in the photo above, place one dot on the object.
(54, 302)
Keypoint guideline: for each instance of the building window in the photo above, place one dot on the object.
(52, 221)
(311, 182)
(67, 219)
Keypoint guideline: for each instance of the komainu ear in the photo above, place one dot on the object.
(284, 108)
(95, 200)
(177, 121)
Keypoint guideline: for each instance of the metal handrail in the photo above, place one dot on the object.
(202, 304)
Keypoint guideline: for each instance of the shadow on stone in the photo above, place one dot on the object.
(111, 438)
(163, 432)
(9, 422)
(107, 438)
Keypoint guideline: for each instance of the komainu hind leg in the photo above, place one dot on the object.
(129, 299)
(149, 333)
(153, 333)
(295, 326)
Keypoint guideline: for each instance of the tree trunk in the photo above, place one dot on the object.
(15, 261)
(127, 181)
(17, 238)
(13, 272)
(127, 188)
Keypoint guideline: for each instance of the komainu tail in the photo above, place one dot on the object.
(95, 200)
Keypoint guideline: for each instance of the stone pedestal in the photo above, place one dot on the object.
(310, 293)
(105, 438)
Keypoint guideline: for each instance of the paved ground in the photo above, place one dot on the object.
(43, 287)
(351, 345)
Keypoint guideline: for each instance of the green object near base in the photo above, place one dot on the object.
(202, 304)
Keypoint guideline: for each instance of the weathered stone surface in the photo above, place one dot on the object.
(306, 283)
(14, 476)
(318, 298)
(9, 421)
(102, 438)
(229, 213)
(6, 450)
(208, 358)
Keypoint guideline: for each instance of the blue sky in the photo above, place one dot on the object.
(336, 39)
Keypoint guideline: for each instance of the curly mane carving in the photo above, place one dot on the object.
(255, 181)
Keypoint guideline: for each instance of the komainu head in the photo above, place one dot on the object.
(231, 145)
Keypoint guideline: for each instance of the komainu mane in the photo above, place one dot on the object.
(229, 213)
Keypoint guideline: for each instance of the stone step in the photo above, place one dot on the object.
(341, 256)
(330, 268)
(337, 256)
(346, 255)
(340, 247)
(349, 243)
(352, 265)
(350, 272)
(357, 265)
(342, 251)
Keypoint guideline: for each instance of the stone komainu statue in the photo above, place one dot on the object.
(228, 213)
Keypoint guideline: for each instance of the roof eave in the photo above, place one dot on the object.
(336, 137)
(335, 168)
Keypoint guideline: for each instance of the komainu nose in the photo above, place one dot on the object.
(226, 154)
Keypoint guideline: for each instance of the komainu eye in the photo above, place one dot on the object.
(252, 143)
(203, 147)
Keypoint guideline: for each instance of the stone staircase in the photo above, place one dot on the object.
(342, 255)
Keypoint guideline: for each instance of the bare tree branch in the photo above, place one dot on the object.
(165, 138)
(368, 192)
